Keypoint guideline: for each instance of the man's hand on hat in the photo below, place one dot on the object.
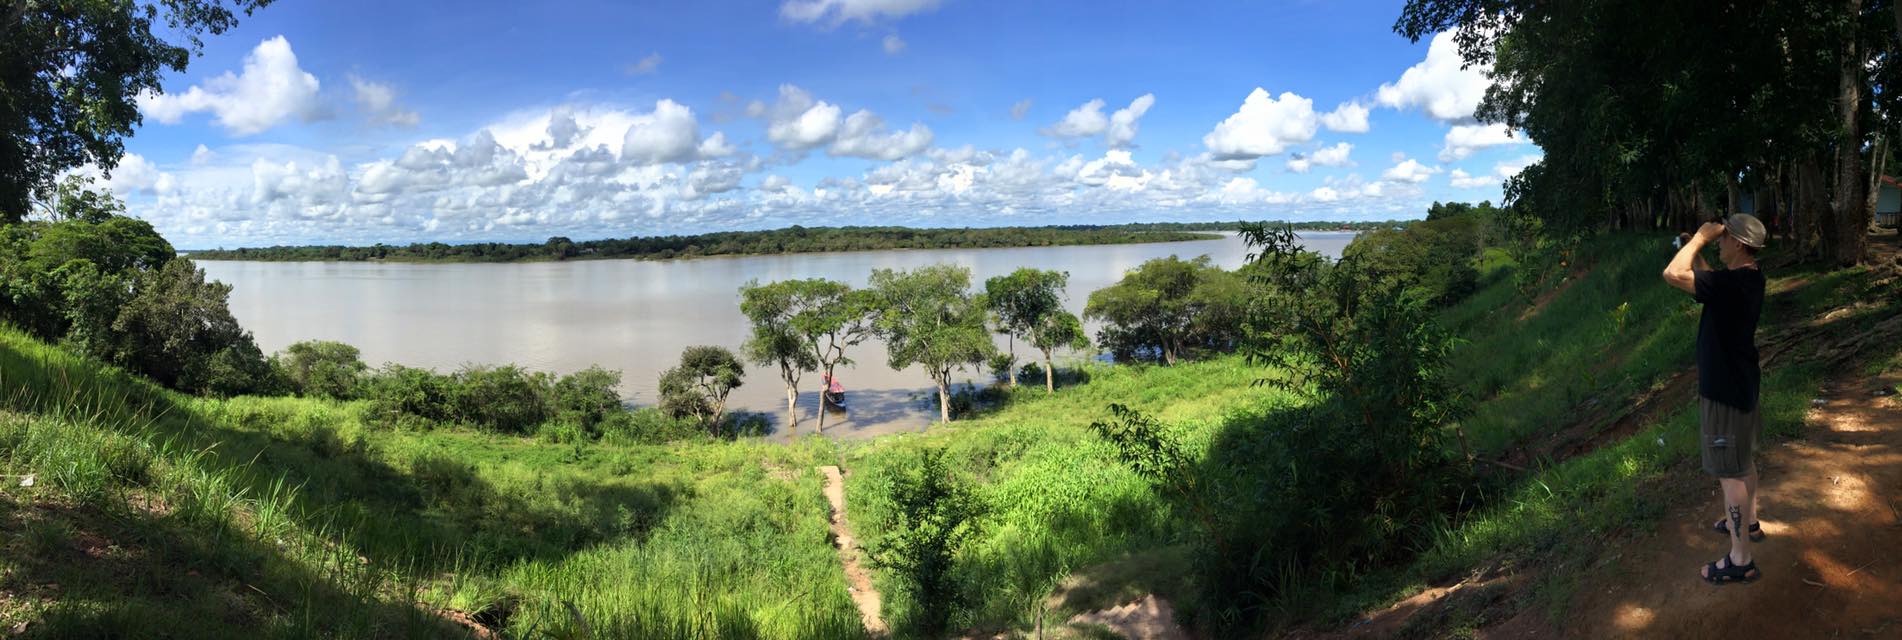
(1710, 232)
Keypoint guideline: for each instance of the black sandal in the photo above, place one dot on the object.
(1730, 573)
(1723, 527)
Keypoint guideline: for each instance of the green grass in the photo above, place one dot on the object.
(158, 513)
(294, 517)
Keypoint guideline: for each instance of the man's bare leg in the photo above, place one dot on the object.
(1750, 487)
(1736, 498)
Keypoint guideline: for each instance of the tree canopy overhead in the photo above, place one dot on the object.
(1657, 116)
(71, 72)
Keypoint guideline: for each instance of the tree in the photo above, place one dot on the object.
(586, 398)
(71, 72)
(775, 342)
(322, 368)
(928, 317)
(833, 318)
(699, 386)
(178, 330)
(1651, 114)
(1168, 305)
(1022, 301)
(1058, 330)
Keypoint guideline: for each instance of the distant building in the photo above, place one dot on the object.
(1888, 202)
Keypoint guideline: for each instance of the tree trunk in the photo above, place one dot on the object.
(792, 407)
(1168, 351)
(944, 401)
(1873, 188)
(1849, 225)
(1733, 192)
(1049, 374)
(823, 402)
(1013, 362)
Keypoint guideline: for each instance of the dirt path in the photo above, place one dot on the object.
(858, 580)
(1832, 507)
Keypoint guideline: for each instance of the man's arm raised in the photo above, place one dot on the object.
(1681, 272)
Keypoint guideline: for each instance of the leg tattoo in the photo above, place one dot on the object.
(1736, 521)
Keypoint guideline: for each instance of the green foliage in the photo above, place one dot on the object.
(72, 72)
(932, 517)
(505, 398)
(1432, 261)
(1028, 305)
(928, 317)
(699, 386)
(178, 329)
(321, 368)
(1168, 307)
(586, 398)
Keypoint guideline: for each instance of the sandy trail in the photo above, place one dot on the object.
(1832, 564)
(858, 580)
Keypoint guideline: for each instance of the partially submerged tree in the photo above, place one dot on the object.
(929, 318)
(775, 342)
(1167, 306)
(699, 386)
(835, 318)
(1059, 330)
(72, 72)
(1020, 302)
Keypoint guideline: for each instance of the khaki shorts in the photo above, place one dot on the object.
(1729, 437)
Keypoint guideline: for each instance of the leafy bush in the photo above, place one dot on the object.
(1315, 494)
(506, 398)
(930, 518)
(321, 368)
(646, 425)
(698, 388)
(585, 398)
(397, 392)
(1001, 365)
(1169, 307)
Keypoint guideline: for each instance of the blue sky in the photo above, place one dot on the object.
(360, 122)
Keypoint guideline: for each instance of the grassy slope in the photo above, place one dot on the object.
(295, 516)
(155, 511)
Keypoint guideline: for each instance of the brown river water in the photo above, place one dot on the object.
(636, 316)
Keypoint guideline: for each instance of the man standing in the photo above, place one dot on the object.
(1728, 377)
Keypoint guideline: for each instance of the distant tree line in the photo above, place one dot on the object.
(794, 239)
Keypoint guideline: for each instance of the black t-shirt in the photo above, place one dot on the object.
(1727, 336)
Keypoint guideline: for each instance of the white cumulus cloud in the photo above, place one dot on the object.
(668, 134)
(270, 90)
(864, 135)
(1462, 140)
(1264, 126)
(1441, 84)
(1122, 124)
(894, 44)
(1409, 171)
(1020, 109)
(1349, 117)
(798, 122)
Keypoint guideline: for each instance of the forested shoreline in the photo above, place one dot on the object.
(794, 239)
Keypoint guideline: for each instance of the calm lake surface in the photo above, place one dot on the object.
(636, 316)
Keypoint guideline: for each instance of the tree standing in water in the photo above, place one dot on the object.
(834, 317)
(699, 386)
(775, 341)
(928, 317)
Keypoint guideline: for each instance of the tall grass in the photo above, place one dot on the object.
(321, 525)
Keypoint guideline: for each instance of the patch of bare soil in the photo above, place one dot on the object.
(1572, 276)
(1145, 618)
(1832, 508)
(858, 580)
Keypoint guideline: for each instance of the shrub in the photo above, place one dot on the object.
(585, 398)
(321, 368)
(506, 398)
(699, 386)
(397, 392)
(646, 425)
(930, 519)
